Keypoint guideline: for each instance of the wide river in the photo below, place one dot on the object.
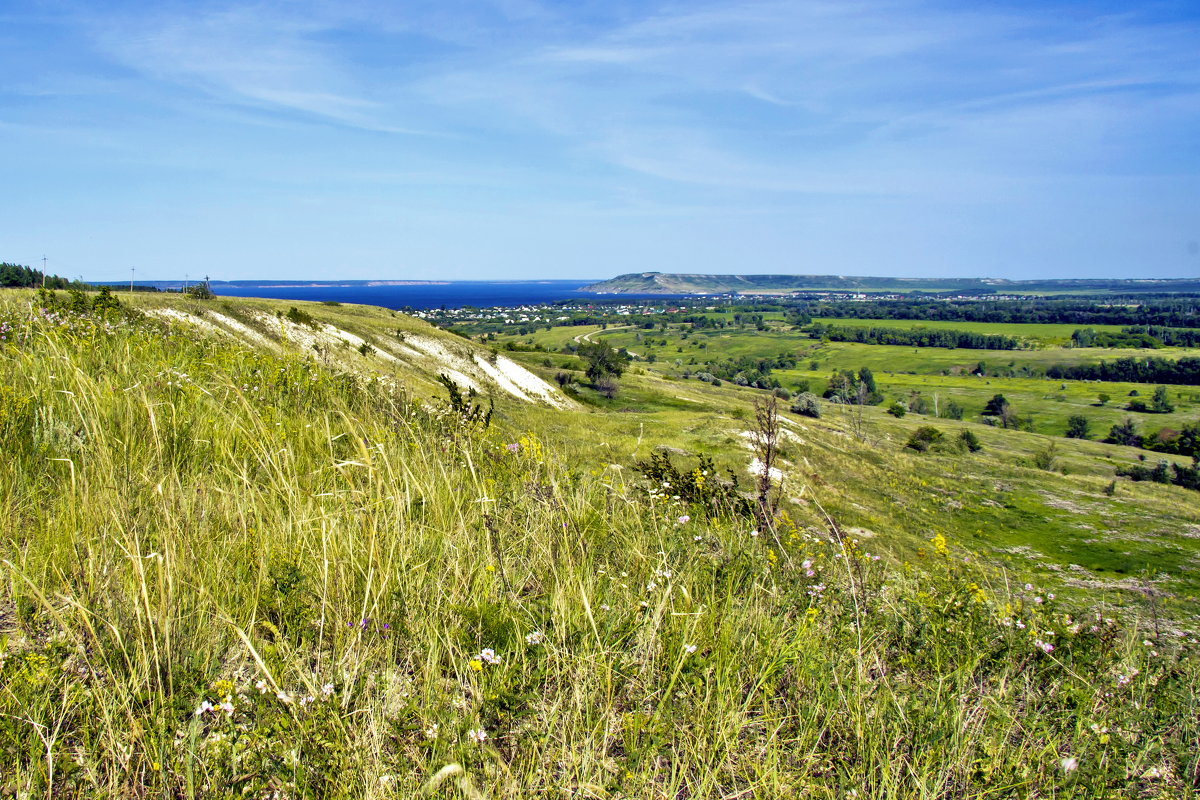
(454, 294)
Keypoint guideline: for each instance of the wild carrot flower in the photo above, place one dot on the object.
(432, 731)
(689, 648)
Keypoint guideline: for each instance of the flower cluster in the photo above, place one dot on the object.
(486, 656)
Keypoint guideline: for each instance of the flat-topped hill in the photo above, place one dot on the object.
(680, 283)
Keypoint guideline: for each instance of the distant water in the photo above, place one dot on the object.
(455, 294)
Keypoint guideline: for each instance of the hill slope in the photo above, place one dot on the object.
(243, 571)
(361, 339)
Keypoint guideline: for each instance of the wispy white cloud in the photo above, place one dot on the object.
(874, 89)
(249, 55)
(907, 112)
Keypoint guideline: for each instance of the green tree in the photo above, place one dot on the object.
(1124, 433)
(602, 361)
(1077, 427)
(995, 407)
(1161, 402)
(872, 397)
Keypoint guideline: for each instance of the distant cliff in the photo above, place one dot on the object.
(676, 283)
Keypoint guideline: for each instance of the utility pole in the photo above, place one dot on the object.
(43, 271)
(131, 271)
(185, 280)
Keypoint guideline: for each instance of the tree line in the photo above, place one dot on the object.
(916, 337)
(17, 276)
(1137, 336)
(1184, 372)
(1160, 310)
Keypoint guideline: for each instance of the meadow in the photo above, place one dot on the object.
(235, 569)
(899, 371)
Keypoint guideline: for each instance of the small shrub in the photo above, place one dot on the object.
(923, 438)
(970, 441)
(1047, 457)
(699, 487)
(806, 404)
(607, 386)
(469, 413)
(897, 409)
(301, 317)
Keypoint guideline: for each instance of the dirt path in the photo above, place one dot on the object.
(587, 337)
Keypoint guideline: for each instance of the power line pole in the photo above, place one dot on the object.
(131, 271)
(43, 271)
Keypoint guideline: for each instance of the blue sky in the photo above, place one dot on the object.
(526, 139)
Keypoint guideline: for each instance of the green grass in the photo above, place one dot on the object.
(186, 520)
(901, 370)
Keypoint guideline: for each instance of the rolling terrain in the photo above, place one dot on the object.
(259, 548)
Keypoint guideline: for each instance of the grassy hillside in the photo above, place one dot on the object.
(238, 566)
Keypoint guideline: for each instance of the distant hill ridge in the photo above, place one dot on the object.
(680, 283)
